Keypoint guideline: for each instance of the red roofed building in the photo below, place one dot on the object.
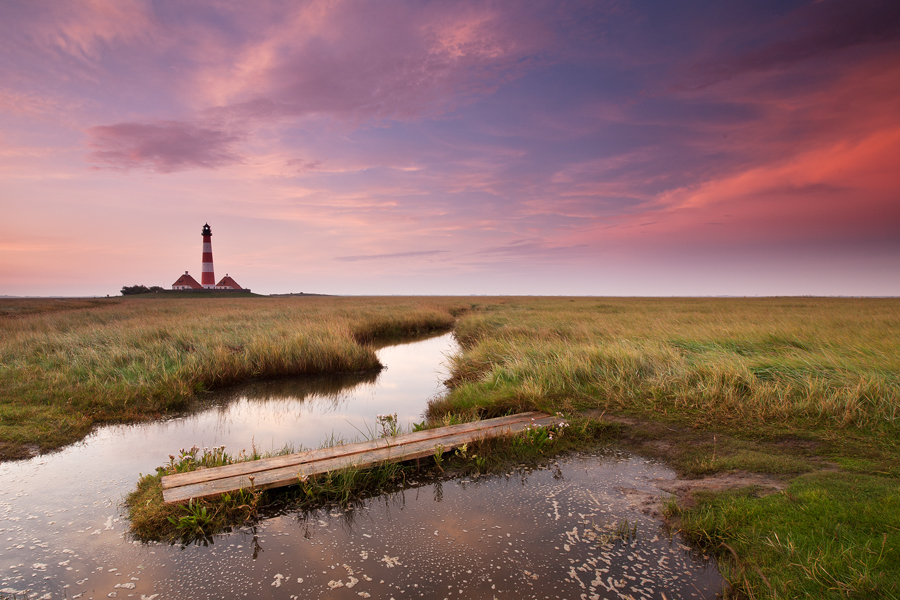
(186, 282)
(227, 283)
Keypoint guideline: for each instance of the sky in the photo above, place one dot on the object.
(444, 147)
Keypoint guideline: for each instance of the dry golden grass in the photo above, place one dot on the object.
(20, 307)
(66, 365)
(832, 361)
(62, 371)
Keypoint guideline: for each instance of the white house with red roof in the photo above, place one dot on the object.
(186, 282)
(227, 283)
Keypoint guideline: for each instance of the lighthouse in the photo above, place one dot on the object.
(208, 279)
(186, 283)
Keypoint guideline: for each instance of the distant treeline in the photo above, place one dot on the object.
(130, 290)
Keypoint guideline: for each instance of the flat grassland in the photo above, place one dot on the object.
(799, 396)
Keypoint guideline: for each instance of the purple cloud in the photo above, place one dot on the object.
(300, 165)
(163, 146)
(528, 248)
(814, 30)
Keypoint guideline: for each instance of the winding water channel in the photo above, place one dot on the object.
(531, 533)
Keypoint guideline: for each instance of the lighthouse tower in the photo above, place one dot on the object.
(208, 279)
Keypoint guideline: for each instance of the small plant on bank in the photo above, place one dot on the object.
(538, 437)
(462, 451)
(439, 456)
(195, 523)
(389, 425)
(480, 462)
(344, 485)
(191, 459)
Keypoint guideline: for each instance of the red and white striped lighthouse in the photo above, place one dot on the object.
(208, 279)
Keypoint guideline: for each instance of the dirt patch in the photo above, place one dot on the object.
(683, 489)
(644, 502)
(651, 504)
(678, 446)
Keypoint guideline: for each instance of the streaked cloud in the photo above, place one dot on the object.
(415, 254)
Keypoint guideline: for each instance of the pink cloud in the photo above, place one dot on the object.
(368, 134)
(845, 192)
(70, 39)
(391, 60)
(530, 249)
(163, 146)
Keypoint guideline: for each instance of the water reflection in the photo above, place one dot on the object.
(305, 411)
(553, 532)
(528, 533)
(331, 390)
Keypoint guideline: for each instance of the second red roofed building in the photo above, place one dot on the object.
(227, 283)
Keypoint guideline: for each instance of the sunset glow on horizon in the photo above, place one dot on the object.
(558, 148)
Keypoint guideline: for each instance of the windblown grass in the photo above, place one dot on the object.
(62, 371)
(736, 362)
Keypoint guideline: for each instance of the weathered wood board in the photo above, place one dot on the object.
(280, 471)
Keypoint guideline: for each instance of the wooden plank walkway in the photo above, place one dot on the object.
(280, 471)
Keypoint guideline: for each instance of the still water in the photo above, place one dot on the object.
(529, 533)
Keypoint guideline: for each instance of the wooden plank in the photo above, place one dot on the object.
(179, 479)
(267, 478)
(271, 478)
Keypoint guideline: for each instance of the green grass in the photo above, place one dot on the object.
(737, 362)
(829, 535)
